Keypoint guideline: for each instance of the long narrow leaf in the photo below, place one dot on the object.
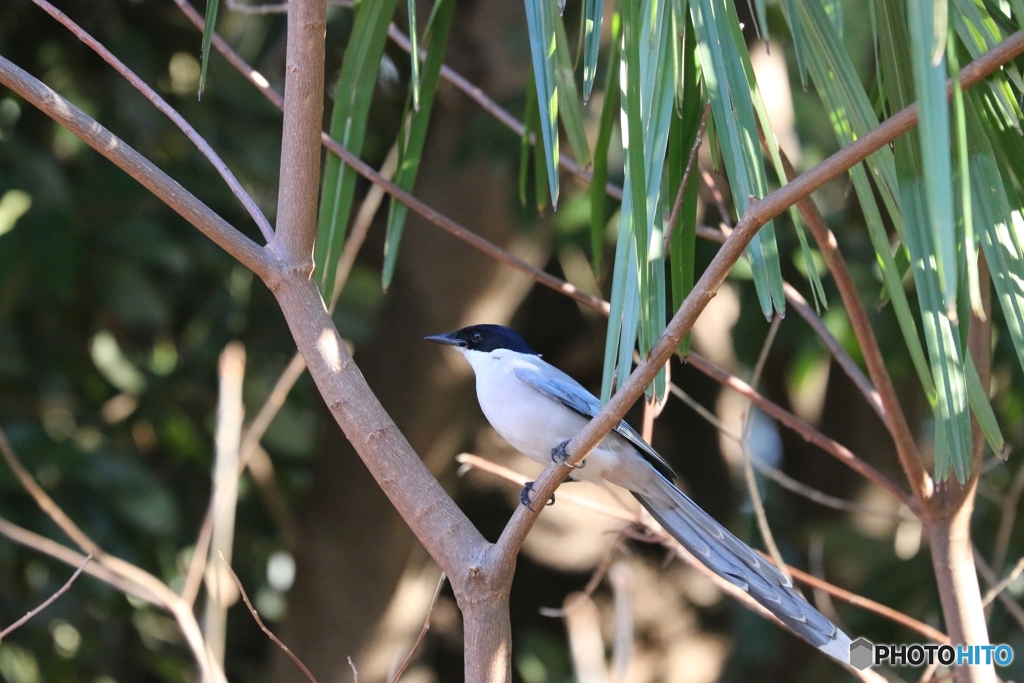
(843, 94)
(413, 134)
(540, 20)
(598, 196)
(999, 225)
(414, 55)
(733, 113)
(817, 290)
(526, 149)
(660, 69)
(593, 14)
(927, 21)
(212, 7)
(638, 283)
(348, 126)
(684, 130)
(570, 111)
(942, 335)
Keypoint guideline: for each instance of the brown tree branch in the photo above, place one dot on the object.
(691, 163)
(59, 551)
(263, 627)
(423, 632)
(797, 302)
(895, 419)
(440, 526)
(299, 179)
(654, 532)
(948, 518)
(167, 110)
(137, 166)
(787, 419)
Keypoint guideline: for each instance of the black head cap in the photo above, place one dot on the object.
(485, 338)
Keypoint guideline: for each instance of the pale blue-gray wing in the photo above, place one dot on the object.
(552, 382)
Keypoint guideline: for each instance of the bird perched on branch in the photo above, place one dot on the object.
(538, 409)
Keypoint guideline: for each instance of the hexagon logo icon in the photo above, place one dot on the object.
(862, 653)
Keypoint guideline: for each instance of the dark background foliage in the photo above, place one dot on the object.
(98, 276)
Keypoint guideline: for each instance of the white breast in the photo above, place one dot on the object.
(534, 424)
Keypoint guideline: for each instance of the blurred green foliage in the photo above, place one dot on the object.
(113, 312)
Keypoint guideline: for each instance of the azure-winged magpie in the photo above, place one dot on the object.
(537, 408)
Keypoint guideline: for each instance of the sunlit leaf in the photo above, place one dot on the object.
(212, 7)
(728, 90)
(414, 56)
(927, 22)
(609, 110)
(593, 14)
(540, 20)
(843, 94)
(570, 110)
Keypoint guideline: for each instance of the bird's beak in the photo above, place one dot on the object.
(447, 339)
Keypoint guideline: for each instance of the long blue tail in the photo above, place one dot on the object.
(734, 561)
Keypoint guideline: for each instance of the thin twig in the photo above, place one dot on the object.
(122, 155)
(690, 163)
(268, 411)
(991, 579)
(895, 419)
(653, 533)
(46, 603)
(1010, 577)
(845, 361)
(159, 591)
(43, 500)
(595, 580)
(780, 477)
(1007, 520)
(748, 468)
(200, 553)
(470, 461)
(809, 433)
(423, 632)
(263, 627)
(716, 194)
(167, 110)
(73, 558)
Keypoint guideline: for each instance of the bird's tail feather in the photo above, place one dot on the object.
(734, 561)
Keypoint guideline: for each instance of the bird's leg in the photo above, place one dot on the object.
(524, 496)
(559, 454)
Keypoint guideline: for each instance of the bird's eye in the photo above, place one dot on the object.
(476, 337)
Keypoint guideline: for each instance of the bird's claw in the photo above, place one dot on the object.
(559, 455)
(524, 497)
